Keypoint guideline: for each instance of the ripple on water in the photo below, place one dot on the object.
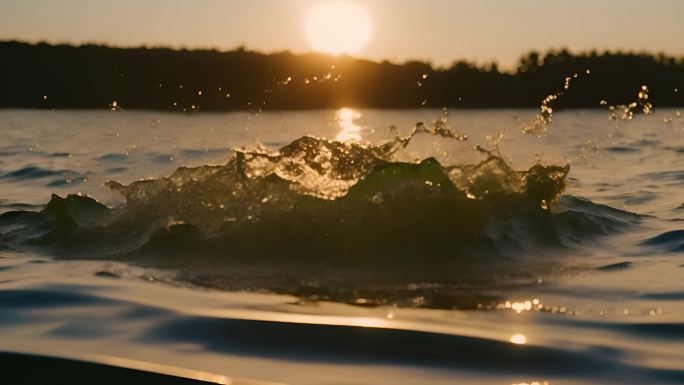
(676, 176)
(112, 157)
(636, 198)
(159, 158)
(195, 153)
(670, 240)
(622, 149)
(60, 178)
(678, 150)
(34, 172)
(116, 170)
(616, 266)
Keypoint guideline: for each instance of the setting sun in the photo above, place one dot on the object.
(338, 27)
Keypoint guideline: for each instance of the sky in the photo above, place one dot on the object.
(438, 31)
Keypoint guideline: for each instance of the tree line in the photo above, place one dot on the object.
(95, 76)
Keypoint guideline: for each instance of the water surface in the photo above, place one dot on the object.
(315, 247)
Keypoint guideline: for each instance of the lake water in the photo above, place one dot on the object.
(347, 247)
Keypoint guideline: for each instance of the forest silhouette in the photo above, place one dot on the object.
(95, 77)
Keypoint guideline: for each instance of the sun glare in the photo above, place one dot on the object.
(349, 130)
(338, 27)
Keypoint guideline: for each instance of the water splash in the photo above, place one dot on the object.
(331, 220)
(543, 119)
(622, 112)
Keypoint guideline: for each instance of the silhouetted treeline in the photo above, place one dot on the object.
(92, 76)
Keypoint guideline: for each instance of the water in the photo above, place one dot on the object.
(338, 247)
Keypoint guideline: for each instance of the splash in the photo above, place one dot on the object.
(309, 166)
(326, 219)
(322, 191)
(542, 120)
(619, 113)
(622, 112)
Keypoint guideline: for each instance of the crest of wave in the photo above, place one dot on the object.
(311, 171)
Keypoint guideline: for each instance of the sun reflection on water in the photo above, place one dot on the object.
(519, 339)
(349, 131)
(519, 307)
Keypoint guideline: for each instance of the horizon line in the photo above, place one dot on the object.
(245, 48)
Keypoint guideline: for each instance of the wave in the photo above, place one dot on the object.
(669, 240)
(30, 172)
(328, 219)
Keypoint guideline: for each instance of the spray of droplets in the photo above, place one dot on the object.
(542, 120)
(626, 111)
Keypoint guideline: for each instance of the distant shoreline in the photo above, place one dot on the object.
(92, 77)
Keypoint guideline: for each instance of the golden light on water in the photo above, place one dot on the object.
(347, 114)
(339, 27)
(521, 306)
(519, 339)
(349, 130)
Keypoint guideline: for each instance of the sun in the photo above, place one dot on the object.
(338, 27)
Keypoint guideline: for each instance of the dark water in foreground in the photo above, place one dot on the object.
(348, 244)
